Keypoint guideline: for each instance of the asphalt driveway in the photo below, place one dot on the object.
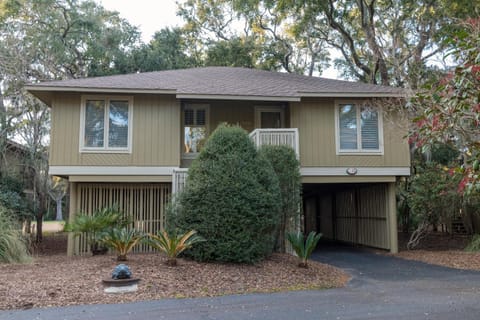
(382, 287)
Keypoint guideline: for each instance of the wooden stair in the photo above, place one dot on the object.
(458, 226)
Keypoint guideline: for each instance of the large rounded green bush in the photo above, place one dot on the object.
(232, 198)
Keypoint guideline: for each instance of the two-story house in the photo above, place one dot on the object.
(129, 139)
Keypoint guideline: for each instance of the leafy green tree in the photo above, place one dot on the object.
(46, 40)
(387, 42)
(287, 168)
(167, 50)
(231, 198)
(433, 199)
(450, 109)
(236, 52)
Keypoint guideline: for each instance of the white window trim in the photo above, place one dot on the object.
(105, 148)
(260, 109)
(359, 151)
(193, 106)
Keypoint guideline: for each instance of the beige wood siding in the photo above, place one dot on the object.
(144, 202)
(232, 112)
(155, 136)
(316, 123)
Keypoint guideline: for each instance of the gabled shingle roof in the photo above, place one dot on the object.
(221, 82)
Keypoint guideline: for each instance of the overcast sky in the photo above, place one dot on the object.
(148, 15)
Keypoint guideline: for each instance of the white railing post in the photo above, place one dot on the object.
(179, 176)
(287, 136)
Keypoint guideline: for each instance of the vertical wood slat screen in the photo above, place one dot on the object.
(145, 202)
(361, 216)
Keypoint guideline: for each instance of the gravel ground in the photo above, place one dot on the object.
(56, 280)
(448, 258)
(443, 250)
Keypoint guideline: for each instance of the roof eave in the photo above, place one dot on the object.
(33, 88)
(352, 95)
(238, 97)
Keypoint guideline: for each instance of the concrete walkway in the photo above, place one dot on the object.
(382, 287)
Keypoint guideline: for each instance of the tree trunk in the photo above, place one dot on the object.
(59, 216)
(39, 219)
(417, 235)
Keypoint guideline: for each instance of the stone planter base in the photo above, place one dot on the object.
(120, 286)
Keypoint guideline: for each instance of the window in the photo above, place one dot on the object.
(194, 129)
(106, 124)
(359, 128)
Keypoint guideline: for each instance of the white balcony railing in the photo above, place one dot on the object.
(276, 137)
(179, 176)
(260, 137)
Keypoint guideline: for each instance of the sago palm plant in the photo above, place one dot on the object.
(303, 248)
(95, 224)
(173, 244)
(121, 240)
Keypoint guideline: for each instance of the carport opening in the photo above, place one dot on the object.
(353, 214)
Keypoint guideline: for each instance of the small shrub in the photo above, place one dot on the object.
(303, 248)
(232, 198)
(13, 246)
(95, 224)
(474, 245)
(121, 240)
(173, 244)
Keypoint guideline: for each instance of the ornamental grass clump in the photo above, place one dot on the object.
(13, 246)
(232, 198)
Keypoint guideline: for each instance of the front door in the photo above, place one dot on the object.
(269, 118)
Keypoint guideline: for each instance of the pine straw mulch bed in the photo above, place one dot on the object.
(56, 280)
(441, 249)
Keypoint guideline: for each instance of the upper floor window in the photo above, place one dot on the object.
(358, 128)
(195, 121)
(106, 124)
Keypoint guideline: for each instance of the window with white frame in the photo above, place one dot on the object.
(358, 128)
(106, 124)
(195, 121)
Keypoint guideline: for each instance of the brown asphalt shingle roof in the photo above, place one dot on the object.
(223, 81)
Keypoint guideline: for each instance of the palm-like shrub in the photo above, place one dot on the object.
(13, 247)
(121, 240)
(303, 248)
(173, 244)
(95, 224)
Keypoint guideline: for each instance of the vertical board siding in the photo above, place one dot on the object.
(361, 216)
(144, 202)
(315, 120)
(373, 228)
(155, 136)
